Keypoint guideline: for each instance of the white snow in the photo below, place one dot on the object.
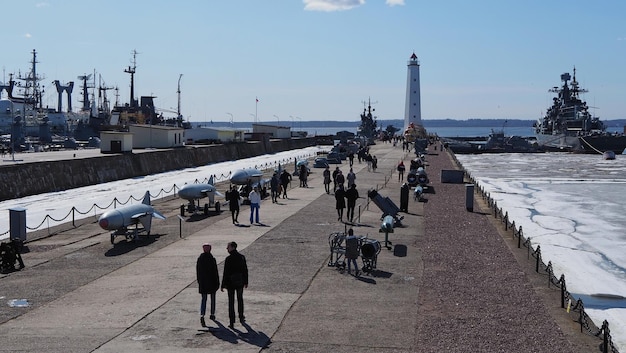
(573, 205)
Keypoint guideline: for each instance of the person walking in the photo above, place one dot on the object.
(208, 281)
(335, 173)
(326, 175)
(274, 185)
(340, 201)
(341, 179)
(401, 169)
(352, 252)
(351, 196)
(233, 202)
(351, 158)
(285, 179)
(374, 163)
(351, 177)
(303, 175)
(234, 280)
(255, 204)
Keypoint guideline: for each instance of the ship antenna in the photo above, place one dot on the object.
(179, 77)
(131, 71)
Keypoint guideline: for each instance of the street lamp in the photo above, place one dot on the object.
(292, 121)
(231, 118)
(253, 116)
(277, 119)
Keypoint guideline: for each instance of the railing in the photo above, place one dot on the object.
(71, 216)
(534, 254)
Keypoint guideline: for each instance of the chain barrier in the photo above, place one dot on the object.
(171, 191)
(586, 323)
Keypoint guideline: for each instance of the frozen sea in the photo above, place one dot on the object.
(574, 206)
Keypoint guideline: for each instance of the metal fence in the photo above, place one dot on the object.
(572, 306)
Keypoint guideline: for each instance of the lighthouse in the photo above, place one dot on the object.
(412, 110)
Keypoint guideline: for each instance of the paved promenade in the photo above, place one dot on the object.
(448, 284)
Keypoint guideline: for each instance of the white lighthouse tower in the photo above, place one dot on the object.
(412, 110)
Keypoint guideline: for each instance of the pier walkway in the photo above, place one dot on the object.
(449, 284)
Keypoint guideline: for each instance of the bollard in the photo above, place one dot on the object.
(404, 198)
(469, 197)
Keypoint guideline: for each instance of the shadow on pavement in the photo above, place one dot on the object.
(125, 246)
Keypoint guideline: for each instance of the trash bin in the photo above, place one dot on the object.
(404, 198)
(469, 197)
(17, 224)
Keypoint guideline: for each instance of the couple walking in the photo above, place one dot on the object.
(234, 280)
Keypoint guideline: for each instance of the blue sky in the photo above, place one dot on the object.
(321, 59)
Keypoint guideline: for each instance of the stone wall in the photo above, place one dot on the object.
(27, 179)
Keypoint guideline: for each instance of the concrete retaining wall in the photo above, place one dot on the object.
(27, 179)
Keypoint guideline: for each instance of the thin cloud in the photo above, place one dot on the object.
(333, 5)
(42, 4)
(394, 2)
(28, 35)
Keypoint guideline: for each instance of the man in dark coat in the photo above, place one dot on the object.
(335, 173)
(233, 203)
(274, 187)
(351, 195)
(208, 280)
(340, 203)
(235, 279)
(285, 179)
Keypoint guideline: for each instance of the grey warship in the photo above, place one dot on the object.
(569, 126)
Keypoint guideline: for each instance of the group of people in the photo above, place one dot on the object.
(341, 192)
(234, 280)
(278, 186)
(341, 196)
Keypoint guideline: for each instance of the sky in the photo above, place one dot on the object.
(289, 61)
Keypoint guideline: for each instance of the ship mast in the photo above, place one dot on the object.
(32, 93)
(131, 71)
(178, 92)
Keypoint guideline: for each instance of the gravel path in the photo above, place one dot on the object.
(475, 296)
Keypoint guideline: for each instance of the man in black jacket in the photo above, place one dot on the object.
(233, 203)
(208, 280)
(351, 195)
(235, 279)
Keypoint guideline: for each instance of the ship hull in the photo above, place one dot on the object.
(584, 144)
(603, 143)
(558, 142)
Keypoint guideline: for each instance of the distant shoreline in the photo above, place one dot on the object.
(395, 122)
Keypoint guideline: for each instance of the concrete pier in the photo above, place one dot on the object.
(449, 283)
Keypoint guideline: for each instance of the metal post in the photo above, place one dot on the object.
(538, 258)
(469, 197)
(562, 280)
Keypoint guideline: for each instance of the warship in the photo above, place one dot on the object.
(569, 126)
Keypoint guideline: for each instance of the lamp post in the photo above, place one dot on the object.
(300, 119)
(254, 121)
(292, 121)
(277, 119)
(231, 118)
